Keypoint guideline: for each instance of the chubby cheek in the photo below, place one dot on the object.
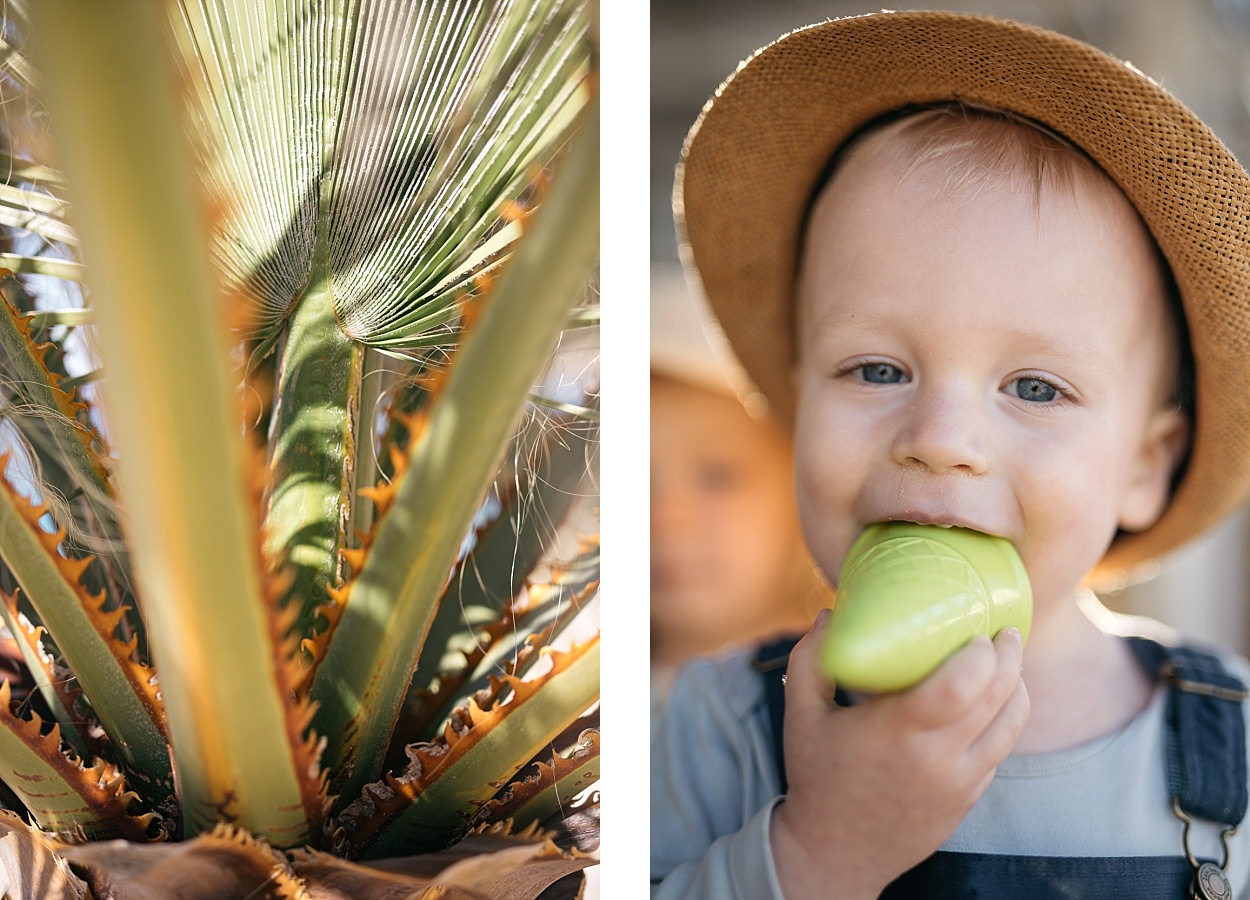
(1069, 516)
(827, 469)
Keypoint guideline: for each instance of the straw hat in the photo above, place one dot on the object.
(752, 160)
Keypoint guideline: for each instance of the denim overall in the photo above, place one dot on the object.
(1206, 773)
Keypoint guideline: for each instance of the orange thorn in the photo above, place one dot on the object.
(399, 460)
(354, 557)
(513, 211)
(482, 281)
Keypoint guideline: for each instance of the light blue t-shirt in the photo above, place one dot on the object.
(714, 786)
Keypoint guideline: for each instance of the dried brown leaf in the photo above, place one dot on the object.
(30, 867)
(481, 867)
(224, 863)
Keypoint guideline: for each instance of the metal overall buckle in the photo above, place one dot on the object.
(1209, 882)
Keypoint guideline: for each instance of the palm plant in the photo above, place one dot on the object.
(280, 518)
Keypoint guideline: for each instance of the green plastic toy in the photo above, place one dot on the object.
(911, 595)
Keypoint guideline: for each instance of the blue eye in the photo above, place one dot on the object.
(882, 373)
(1035, 390)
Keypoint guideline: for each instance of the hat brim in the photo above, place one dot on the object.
(753, 158)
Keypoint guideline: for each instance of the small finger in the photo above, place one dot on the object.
(958, 683)
(806, 685)
(1009, 647)
(1002, 733)
(1009, 658)
(1010, 644)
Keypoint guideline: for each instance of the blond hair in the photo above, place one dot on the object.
(981, 147)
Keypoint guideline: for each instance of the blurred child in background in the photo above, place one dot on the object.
(728, 566)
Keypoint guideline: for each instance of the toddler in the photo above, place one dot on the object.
(997, 279)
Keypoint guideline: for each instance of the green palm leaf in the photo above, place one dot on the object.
(190, 517)
(360, 155)
(291, 216)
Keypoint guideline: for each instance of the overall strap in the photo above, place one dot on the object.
(1206, 736)
(991, 876)
(771, 661)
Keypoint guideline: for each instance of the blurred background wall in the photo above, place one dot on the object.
(1197, 49)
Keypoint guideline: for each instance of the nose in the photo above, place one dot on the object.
(943, 432)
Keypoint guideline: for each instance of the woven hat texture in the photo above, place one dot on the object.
(762, 142)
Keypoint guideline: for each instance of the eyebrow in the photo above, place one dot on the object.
(834, 320)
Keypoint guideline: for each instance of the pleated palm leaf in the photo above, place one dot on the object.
(289, 557)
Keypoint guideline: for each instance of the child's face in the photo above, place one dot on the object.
(996, 359)
(725, 539)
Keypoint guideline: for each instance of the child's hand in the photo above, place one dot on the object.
(876, 788)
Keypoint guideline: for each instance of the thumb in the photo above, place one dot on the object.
(807, 687)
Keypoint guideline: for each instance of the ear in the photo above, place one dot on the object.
(1148, 489)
